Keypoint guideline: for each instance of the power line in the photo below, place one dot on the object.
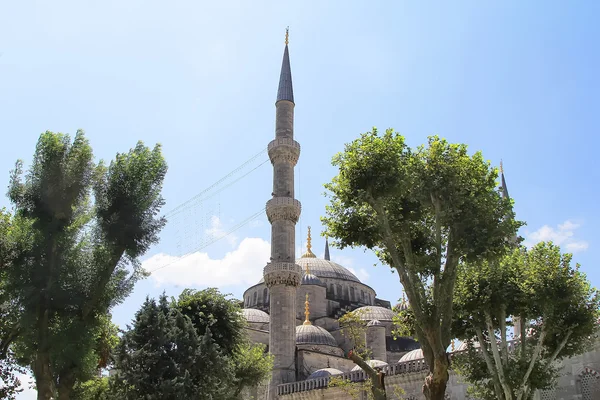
(233, 229)
(185, 203)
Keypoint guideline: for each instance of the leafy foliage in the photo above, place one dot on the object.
(556, 304)
(93, 389)
(354, 329)
(421, 212)
(76, 235)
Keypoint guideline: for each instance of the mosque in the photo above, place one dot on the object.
(294, 309)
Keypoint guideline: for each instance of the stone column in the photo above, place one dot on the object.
(282, 275)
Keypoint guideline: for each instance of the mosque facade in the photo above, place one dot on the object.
(294, 310)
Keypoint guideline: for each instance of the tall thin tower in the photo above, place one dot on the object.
(282, 275)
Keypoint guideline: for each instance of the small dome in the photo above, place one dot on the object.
(412, 355)
(310, 279)
(257, 316)
(374, 322)
(311, 334)
(369, 313)
(373, 364)
(324, 373)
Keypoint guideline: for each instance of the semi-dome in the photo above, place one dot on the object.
(373, 364)
(253, 315)
(324, 373)
(412, 356)
(311, 334)
(369, 313)
(310, 279)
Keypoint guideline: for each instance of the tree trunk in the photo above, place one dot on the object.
(377, 378)
(65, 384)
(43, 376)
(434, 387)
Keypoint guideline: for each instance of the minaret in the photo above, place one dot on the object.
(327, 249)
(282, 275)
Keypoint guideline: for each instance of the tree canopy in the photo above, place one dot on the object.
(552, 304)
(76, 231)
(421, 212)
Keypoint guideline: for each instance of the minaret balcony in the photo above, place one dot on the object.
(283, 208)
(282, 273)
(284, 150)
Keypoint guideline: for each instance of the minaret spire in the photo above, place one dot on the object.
(327, 249)
(282, 275)
(285, 91)
(504, 188)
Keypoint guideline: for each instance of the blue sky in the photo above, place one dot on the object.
(517, 80)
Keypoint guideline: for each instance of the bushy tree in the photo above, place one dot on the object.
(78, 229)
(555, 308)
(208, 309)
(421, 212)
(162, 357)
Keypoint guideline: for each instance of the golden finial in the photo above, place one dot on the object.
(287, 35)
(306, 311)
(309, 253)
(501, 167)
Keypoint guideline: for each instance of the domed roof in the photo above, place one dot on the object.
(324, 269)
(310, 279)
(324, 373)
(464, 345)
(373, 364)
(374, 322)
(369, 313)
(311, 334)
(412, 355)
(253, 315)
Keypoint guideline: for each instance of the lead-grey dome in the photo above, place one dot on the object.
(324, 373)
(374, 322)
(310, 279)
(325, 269)
(253, 315)
(373, 364)
(369, 313)
(311, 334)
(412, 356)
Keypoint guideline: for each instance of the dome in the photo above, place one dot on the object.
(373, 364)
(253, 315)
(311, 334)
(412, 355)
(310, 279)
(369, 313)
(374, 322)
(325, 269)
(324, 373)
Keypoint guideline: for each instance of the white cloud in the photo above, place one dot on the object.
(563, 235)
(243, 265)
(216, 231)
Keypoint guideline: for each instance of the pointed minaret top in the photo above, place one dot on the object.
(327, 249)
(503, 183)
(285, 91)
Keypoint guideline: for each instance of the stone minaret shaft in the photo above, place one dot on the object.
(282, 275)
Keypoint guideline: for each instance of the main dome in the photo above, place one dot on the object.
(325, 269)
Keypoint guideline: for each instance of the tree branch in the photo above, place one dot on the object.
(488, 362)
(536, 353)
(503, 343)
(497, 358)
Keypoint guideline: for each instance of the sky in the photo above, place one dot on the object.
(515, 80)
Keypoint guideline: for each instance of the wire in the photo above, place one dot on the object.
(235, 228)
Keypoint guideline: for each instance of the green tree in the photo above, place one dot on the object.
(556, 304)
(162, 357)
(208, 309)
(81, 228)
(354, 328)
(421, 212)
(93, 389)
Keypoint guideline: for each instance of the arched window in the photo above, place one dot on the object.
(346, 293)
(370, 299)
(331, 291)
(352, 294)
(255, 302)
(265, 297)
(339, 292)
